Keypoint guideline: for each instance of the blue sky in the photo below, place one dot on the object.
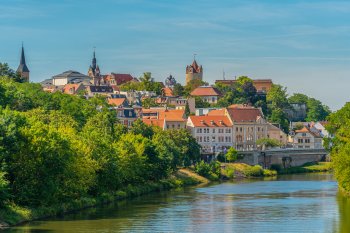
(303, 45)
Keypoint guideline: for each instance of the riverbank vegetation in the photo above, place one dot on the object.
(339, 126)
(57, 148)
(306, 168)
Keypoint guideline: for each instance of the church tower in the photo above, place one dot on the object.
(22, 69)
(94, 71)
(194, 71)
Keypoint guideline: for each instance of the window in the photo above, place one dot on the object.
(213, 130)
(258, 129)
(197, 130)
(300, 140)
(221, 130)
(303, 134)
(236, 129)
(213, 139)
(307, 140)
(241, 129)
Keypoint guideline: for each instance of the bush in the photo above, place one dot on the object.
(232, 154)
(254, 171)
(221, 158)
(268, 172)
(202, 168)
(229, 172)
(210, 171)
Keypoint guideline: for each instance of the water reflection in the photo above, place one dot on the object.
(297, 203)
(344, 212)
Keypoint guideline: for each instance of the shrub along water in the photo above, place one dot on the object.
(56, 148)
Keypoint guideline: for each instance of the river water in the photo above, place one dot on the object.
(295, 203)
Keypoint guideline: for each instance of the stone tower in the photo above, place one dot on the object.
(194, 71)
(94, 71)
(22, 69)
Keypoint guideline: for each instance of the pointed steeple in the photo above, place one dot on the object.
(22, 65)
(94, 62)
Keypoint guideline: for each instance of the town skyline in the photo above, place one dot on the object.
(304, 52)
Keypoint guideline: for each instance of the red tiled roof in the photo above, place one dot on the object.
(154, 122)
(172, 115)
(116, 101)
(307, 130)
(205, 91)
(210, 121)
(240, 113)
(168, 91)
(115, 88)
(120, 78)
(217, 112)
(68, 86)
(303, 130)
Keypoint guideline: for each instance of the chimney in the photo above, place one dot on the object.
(212, 122)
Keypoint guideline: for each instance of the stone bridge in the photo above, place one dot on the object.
(284, 157)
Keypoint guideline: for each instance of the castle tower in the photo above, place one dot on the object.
(22, 69)
(194, 71)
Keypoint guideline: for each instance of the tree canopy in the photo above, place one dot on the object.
(56, 147)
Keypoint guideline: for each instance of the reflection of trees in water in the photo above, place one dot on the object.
(344, 213)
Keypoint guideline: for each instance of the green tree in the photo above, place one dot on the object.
(316, 110)
(277, 97)
(149, 102)
(200, 103)
(6, 71)
(268, 142)
(138, 127)
(178, 89)
(298, 98)
(338, 125)
(231, 155)
(193, 84)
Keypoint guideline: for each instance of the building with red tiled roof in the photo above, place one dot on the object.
(117, 79)
(117, 102)
(168, 92)
(173, 118)
(207, 93)
(155, 122)
(73, 89)
(305, 138)
(248, 124)
(213, 133)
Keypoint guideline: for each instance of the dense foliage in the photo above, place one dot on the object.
(315, 110)
(146, 83)
(58, 147)
(339, 126)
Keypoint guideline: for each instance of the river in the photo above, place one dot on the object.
(293, 203)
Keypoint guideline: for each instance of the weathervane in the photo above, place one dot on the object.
(194, 56)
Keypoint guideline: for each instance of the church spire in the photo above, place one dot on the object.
(94, 62)
(22, 69)
(22, 65)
